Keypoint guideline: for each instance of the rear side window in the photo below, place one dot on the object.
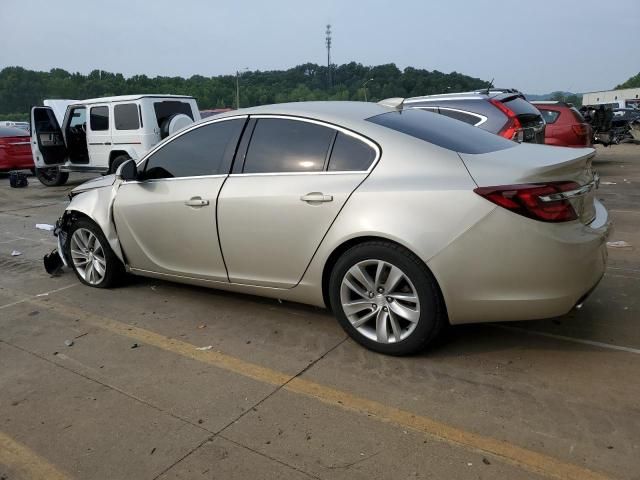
(126, 116)
(442, 131)
(99, 118)
(462, 116)
(550, 116)
(350, 154)
(207, 150)
(577, 114)
(168, 108)
(279, 145)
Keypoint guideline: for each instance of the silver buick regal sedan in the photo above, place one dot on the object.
(399, 221)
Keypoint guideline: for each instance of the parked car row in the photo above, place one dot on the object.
(98, 135)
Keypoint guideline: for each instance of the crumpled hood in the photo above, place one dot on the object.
(99, 182)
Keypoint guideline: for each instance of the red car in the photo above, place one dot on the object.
(566, 127)
(15, 149)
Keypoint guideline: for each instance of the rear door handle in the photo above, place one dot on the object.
(196, 202)
(316, 197)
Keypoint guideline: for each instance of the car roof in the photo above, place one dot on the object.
(344, 113)
(127, 98)
(473, 95)
(552, 103)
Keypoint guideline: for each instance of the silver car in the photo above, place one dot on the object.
(399, 221)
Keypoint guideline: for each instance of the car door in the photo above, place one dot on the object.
(166, 220)
(99, 135)
(287, 188)
(47, 142)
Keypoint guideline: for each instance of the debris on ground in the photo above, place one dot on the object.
(608, 183)
(619, 244)
(15, 253)
(208, 347)
(135, 345)
(202, 326)
(486, 461)
(68, 343)
(44, 226)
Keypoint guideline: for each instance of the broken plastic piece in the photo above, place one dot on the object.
(15, 253)
(44, 226)
(208, 347)
(619, 244)
(53, 263)
(68, 343)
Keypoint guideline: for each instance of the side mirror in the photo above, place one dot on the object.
(127, 171)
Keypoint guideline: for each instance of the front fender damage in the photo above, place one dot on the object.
(95, 204)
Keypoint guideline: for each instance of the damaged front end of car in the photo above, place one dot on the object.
(92, 200)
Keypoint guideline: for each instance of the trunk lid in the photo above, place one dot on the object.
(539, 164)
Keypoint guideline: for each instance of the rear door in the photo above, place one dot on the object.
(99, 135)
(289, 185)
(47, 143)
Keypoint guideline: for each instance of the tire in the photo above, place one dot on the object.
(418, 323)
(86, 241)
(119, 160)
(52, 177)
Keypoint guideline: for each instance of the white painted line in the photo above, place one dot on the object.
(38, 295)
(593, 343)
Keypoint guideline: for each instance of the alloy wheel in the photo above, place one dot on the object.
(380, 301)
(88, 256)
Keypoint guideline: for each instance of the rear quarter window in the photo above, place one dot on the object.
(442, 131)
(550, 116)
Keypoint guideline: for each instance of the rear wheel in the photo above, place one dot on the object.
(386, 299)
(91, 257)
(52, 176)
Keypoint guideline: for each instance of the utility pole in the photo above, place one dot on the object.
(237, 90)
(328, 43)
(364, 86)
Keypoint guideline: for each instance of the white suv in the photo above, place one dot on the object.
(100, 134)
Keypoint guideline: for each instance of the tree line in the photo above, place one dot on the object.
(21, 88)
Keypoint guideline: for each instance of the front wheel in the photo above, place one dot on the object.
(52, 176)
(91, 257)
(386, 299)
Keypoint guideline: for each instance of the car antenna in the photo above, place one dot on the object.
(490, 86)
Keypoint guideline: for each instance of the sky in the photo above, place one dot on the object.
(536, 47)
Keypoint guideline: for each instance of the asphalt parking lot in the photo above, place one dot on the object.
(166, 381)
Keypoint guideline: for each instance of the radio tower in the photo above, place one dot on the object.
(328, 43)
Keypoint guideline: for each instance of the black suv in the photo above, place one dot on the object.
(505, 112)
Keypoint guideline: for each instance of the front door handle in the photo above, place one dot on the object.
(196, 202)
(314, 197)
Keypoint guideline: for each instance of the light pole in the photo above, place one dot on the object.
(238, 86)
(364, 86)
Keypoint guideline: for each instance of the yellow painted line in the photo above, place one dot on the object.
(25, 462)
(526, 459)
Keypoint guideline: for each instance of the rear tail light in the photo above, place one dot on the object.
(528, 200)
(513, 129)
(580, 129)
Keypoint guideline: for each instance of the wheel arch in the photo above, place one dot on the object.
(352, 242)
(116, 153)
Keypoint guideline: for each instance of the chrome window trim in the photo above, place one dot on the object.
(193, 177)
(346, 131)
(473, 114)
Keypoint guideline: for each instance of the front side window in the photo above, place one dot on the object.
(350, 154)
(99, 118)
(126, 116)
(281, 145)
(206, 150)
(78, 117)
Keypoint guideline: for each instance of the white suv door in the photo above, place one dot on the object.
(99, 135)
(47, 143)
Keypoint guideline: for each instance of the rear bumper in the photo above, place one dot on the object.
(15, 163)
(508, 267)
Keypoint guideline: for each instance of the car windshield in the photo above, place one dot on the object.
(442, 131)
